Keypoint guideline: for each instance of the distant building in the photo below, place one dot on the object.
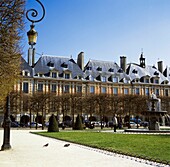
(61, 75)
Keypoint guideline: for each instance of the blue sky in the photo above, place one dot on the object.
(104, 29)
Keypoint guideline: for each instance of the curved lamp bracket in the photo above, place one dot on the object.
(34, 13)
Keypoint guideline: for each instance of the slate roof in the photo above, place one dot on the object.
(96, 68)
(25, 66)
(61, 64)
(136, 72)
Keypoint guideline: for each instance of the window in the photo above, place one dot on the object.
(92, 89)
(166, 92)
(91, 78)
(53, 88)
(64, 65)
(125, 80)
(103, 79)
(137, 92)
(147, 91)
(79, 89)
(99, 69)
(67, 76)
(147, 80)
(40, 75)
(157, 92)
(157, 81)
(115, 79)
(89, 68)
(115, 91)
(103, 89)
(66, 88)
(126, 91)
(40, 87)
(54, 75)
(25, 87)
(111, 70)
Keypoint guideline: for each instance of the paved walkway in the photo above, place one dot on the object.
(28, 151)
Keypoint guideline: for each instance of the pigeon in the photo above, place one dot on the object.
(66, 145)
(45, 145)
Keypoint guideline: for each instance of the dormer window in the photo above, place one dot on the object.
(103, 79)
(115, 79)
(26, 73)
(135, 71)
(40, 75)
(64, 65)
(111, 70)
(49, 64)
(147, 80)
(120, 70)
(99, 69)
(67, 76)
(156, 81)
(89, 68)
(125, 80)
(54, 75)
(156, 73)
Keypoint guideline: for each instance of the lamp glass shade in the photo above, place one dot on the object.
(32, 36)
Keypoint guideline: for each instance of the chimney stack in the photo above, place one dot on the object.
(80, 60)
(123, 63)
(160, 66)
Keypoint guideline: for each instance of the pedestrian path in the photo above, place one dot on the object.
(28, 151)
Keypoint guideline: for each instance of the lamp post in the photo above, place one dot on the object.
(6, 125)
(32, 37)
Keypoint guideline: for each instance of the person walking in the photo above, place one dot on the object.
(115, 122)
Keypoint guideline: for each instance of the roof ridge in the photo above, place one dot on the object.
(55, 56)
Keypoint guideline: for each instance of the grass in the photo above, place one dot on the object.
(155, 147)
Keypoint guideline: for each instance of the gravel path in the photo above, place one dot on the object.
(28, 151)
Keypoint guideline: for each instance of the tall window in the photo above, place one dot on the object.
(40, 87)
(66, 88)
(137, 92)
(147, 91)
(25, 87)
(53, 88)
(166, 92)
(92, 89)
(103, 90)
(79, 89)
(157, 92)
(115, 91)
(126, 91)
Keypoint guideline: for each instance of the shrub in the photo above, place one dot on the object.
(78, 124)
(53, 124)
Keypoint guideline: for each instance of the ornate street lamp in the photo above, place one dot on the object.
(32, 37)
(32, 34)
(6, 125)
(32, 40)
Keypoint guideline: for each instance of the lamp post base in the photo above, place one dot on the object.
(5, 147)
(6, 144)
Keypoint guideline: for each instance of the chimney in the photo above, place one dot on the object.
(80, 60)
(123, 63)
(160, 66)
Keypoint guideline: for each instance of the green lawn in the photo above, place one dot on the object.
(143, 145)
